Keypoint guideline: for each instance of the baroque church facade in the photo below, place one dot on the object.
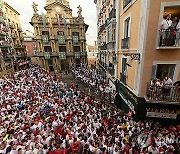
(61, 38)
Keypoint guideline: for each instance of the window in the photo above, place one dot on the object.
(7, 11)
(76, 48)
(60, 33)
(160, 71)
(124, 70)
(125, 40)
(126, 27)
(126, 2)
(45, 33)
(62, 48)
(47, 49)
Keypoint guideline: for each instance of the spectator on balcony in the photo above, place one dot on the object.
(165, 29)
(167, 87)
(173, 32)
(178, 34)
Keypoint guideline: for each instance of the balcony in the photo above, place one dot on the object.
(75, 39)
(125, 43)
(77, 55)
(112, 14)
(167, 94)
(126, 2)
(5, 44)
(167, 40)
(62, 55)
(45, 38)
(61, 39)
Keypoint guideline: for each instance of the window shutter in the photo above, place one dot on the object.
(171, 71)
(153, 72)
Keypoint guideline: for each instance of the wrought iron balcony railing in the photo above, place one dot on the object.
(163, 93)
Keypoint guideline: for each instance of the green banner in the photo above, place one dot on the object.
(77, 55)
(61, 39)
(62, 55)
(47, 55)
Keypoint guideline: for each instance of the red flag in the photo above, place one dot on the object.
(58, 18)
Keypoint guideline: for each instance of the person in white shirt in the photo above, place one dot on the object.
(165, 29)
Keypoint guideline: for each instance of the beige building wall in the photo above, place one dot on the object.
(153, 54)
(145, 20)
(133, 12)
(68, 26)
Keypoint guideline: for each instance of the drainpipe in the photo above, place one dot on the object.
(117, 36)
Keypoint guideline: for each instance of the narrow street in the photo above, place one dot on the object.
(70, 78)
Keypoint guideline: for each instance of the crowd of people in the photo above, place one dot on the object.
(170, 31)
(95, 80)
(41, 115)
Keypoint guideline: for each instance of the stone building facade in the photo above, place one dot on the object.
(61, 38)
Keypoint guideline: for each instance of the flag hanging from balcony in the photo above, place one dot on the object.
(43, 19)
(65, 25)
(58, 19)
(50, 21)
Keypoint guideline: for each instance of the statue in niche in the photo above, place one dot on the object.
(34, 6)
(79, 11)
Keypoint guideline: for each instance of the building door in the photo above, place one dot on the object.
(64, 65)
(51, 69)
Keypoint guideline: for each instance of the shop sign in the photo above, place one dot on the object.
(162, 113)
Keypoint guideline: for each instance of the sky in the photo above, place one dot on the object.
(24, 7)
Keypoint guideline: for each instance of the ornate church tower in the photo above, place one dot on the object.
(61, 38)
